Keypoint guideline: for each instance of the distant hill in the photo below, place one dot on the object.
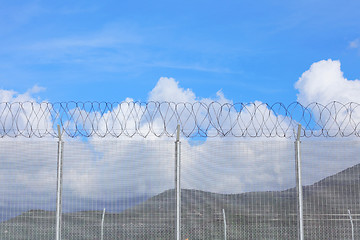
(252, 215)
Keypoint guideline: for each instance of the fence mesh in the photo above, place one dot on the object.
(126, 185)
(251, 181)
(27, 189)
(124, 189)
(331, 180)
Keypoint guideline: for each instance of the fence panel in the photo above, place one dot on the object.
(27, 189)
(253, 181)
(131, 181)
(124, 189)
(331, 180)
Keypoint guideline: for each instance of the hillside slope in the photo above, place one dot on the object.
(253, 215)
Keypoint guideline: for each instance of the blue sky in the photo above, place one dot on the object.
(110, 50)
(271, 51)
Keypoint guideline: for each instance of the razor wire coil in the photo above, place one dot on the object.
(196, 119)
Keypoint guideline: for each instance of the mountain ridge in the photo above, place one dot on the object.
(250, 215)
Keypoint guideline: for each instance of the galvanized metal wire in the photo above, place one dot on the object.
(196, 119)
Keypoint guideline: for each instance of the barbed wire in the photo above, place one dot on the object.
(197, 119)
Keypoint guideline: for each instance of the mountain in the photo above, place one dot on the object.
(252, 215)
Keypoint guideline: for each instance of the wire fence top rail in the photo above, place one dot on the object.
(196, 119)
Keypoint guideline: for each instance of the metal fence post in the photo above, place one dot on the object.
(102, 225)
(299, 192)
(177, 184)
(59, 185)
(352, 225)
(224, 217)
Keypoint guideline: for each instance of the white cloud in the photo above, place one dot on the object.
(35, 89)
(110, 36)
(16, 118)
(238, 166)
(167, 89)
(13, 96)
(324, 82)
(106, 171)
(355, 43)
(99, 173)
